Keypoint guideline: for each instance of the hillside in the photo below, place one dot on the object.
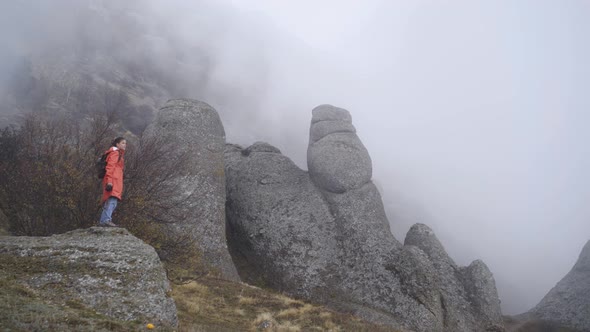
(106, 279)
(210, 304)
(206, 304)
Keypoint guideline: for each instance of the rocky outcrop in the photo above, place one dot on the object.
(336, 158)
(468, 294)
(104, 269)
(279, 227)
(195, 140)
(568, 303)
(323, 235)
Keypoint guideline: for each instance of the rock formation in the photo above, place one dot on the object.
(568, 303)
(336, 158)
(105, 269)
(468, 294)
(193, 132)
(278, 223)
(323, 235)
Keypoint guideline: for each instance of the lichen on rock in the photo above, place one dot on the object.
(107, 270)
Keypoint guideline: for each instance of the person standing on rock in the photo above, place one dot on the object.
(112, 182)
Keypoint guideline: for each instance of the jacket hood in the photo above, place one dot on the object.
(114, 148)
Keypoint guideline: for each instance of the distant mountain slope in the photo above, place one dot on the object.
(568, 303)
(63, 54)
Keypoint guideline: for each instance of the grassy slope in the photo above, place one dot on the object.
(205, 305)
(524, 324)
(217, 305)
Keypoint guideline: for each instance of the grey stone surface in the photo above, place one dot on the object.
(193, 130)
(322, 129)
(482, 294)
(323, 235)
(328, 112)
(286, 233)
(568, 303)
(106, 269)
(337, 160)
(278, 225)
(260, 147)
(360, 217)
(468, 295)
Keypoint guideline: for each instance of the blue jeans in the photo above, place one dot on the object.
(107, 209)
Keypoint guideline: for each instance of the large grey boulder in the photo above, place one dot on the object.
(337, 160)
(107, 270)
(195, 139)
(568, 303)
(323, 235)
(282, 234)
(279, 228)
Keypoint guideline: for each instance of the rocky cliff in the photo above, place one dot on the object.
(568, 303)
(194, 138)
(103, 270)
(323, 235)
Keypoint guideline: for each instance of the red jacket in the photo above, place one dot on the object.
(114, 174)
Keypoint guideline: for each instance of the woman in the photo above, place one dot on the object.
(113, 181)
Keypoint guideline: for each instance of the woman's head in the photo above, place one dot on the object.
(120, 143)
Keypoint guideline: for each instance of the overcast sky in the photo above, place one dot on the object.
(474, 112)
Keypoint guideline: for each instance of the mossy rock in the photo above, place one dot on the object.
(106, 273)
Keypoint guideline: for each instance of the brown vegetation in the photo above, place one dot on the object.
(530, 324)
(48, 183)
(210, 304)
(204, 305)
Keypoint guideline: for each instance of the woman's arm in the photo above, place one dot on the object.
(112, 159)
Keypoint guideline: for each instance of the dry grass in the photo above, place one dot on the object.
(289, 313)
(287, 327)
(531, 324)
(195, 288)
(216, 305)
(208, 304)
(289, 301)
(267, 322)
(244, 300)
(264, 321)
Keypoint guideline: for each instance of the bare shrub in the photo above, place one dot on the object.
(46, 186)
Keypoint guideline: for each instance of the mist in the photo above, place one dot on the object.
(474, 113)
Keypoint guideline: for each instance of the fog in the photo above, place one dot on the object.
(474, 113)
